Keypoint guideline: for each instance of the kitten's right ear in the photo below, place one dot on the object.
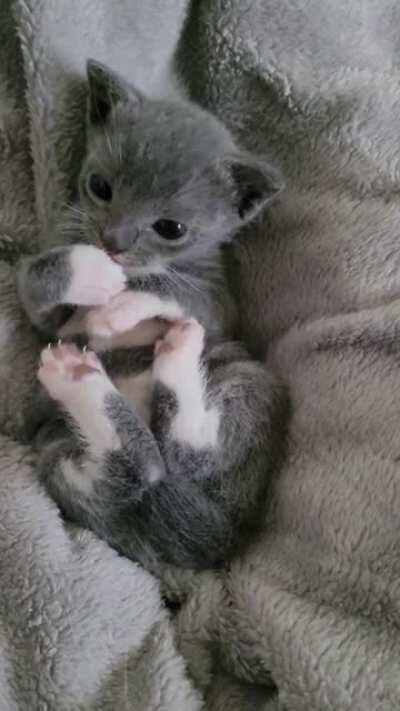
(106, 89)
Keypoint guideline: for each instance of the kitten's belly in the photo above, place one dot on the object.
(138, 390)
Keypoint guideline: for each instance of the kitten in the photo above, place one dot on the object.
(167, 457)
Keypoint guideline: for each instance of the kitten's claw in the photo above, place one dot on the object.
(63, 367)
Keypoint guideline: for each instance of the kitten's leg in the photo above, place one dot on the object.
(220, 429)
(178, 367)
(107, 474)
(216, 415)
(78, 382)
(79, 275)
(192, 517)
(111, 454)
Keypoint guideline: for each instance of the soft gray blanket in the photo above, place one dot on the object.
(314, 606)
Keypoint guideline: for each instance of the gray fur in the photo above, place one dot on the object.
(157, 499)
(42, 282)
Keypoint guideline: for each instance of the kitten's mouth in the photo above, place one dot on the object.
(115, 256)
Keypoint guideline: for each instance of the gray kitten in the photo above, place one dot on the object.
(165, 452)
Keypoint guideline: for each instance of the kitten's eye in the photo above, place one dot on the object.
(169, 229)
(100, 188)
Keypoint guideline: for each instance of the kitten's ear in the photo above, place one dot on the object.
(254, 181)
(107, 88)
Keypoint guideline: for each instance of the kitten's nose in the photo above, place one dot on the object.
(119, 238)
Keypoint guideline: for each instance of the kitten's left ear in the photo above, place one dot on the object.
(255, 184)
(106, 89)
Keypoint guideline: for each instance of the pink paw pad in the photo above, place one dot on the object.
(65, 364)
(185, 335)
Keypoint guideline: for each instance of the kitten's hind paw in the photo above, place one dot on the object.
(64, 366)
(177, 355)
(186, 337)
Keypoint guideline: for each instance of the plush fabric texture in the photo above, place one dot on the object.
(308, 619)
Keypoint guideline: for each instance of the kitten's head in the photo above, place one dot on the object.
(162, 180)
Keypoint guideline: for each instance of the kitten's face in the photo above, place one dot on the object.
(162, 181)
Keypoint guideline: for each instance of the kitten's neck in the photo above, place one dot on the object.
(200, 287)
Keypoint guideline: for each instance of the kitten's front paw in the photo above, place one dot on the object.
(122, 314)
(185, 338)
(95, 278)
(64, 367)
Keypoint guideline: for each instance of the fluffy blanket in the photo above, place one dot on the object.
(308, 619)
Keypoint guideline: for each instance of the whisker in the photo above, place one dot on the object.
(185, 280)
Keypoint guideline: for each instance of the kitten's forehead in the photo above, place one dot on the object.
(169, 143)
